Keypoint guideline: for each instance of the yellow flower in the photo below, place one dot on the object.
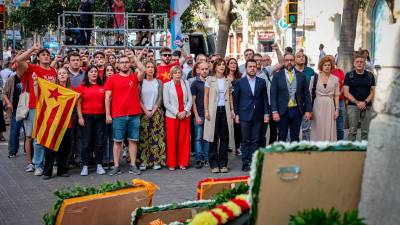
(233, 207)
(224, 216)
(204, 218)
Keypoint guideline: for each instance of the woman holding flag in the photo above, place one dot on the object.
(64, 148)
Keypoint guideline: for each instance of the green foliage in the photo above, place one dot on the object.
(192, 17)
(78, 191)
(227, 195)
(43, 14)
(319, 217)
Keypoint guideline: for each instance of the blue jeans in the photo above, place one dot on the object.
(340, 120)
(200, 145)
(38, 150)
(126, 127)
(14, 135)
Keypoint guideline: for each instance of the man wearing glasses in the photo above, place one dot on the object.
(290, 99)
(165, 66)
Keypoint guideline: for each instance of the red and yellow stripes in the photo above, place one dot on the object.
(223, 213)
(53, 113)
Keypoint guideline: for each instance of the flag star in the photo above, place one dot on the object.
(165, 75)
(172, 13)
(54, 94)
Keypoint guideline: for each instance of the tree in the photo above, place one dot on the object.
(43, 14)
(348, 34)
(273, 8)
(243, 9)
(225, 17)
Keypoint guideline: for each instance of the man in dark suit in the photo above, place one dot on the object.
(251, 109)
(290, 99)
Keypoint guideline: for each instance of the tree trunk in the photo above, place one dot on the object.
(226, 18)
(380, 199)
(348, 34)
(245, 28)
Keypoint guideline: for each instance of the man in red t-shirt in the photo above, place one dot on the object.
(123, 109)
(42, 70)
(165, 66)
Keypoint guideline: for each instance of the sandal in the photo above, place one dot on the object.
(171, 168)
(183, 167)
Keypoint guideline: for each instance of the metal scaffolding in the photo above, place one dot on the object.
(103, 34)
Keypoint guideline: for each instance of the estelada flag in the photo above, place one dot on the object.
(53, 113)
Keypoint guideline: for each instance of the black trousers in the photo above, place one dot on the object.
(262, 140)
(290, 122)
(273, 131)
(93, 132)
(61, 155)
(251, 131)
(218, 157)
(238, 135)
(76, 144)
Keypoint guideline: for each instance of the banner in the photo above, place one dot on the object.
(53, 113)
(177, 8)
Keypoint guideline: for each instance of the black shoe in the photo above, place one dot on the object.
(46, 177)
(11, 156)
(63, 175)
(245, 168)
(198, 165)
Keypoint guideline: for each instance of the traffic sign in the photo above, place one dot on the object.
(282, 24)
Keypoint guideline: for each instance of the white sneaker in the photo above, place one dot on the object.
(38, 172)
(55, 169)
(142, 167)
(156, 167)
(85, 171)
(30, 168)
(100, 170)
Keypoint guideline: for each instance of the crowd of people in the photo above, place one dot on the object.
(161, 110)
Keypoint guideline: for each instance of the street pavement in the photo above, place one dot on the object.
(24, 198)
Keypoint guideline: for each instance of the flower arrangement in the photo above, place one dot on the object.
(223, 213)
(209, 181)
(189, 204)
(320, 217)
(78, 191)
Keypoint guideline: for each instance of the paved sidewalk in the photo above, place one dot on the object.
(24, 198)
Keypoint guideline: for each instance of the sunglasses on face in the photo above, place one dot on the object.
(167, 55)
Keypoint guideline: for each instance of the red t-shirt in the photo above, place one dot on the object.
(101, 71)
(125, 95)
(340, 75)
(163, 71)
(47, 74)
(92, 99)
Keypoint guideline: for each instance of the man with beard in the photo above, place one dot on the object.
(251, 110)
(166, 63)
(290, 99)
(123, 110)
